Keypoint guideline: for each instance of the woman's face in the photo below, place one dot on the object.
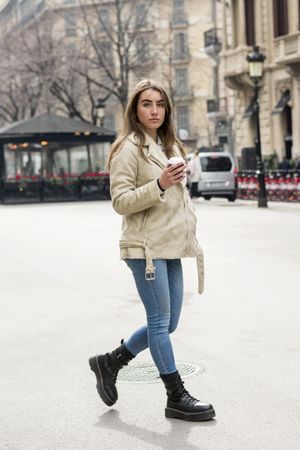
(151, 110)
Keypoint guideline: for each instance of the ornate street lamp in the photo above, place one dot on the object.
(100, 106)
(256, 60)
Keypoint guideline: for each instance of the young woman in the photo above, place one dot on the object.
(159, 228)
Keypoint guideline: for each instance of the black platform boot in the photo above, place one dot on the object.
(106, 368)
(181, 405)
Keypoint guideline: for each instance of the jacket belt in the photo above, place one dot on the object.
(150, 269)
(200, 267)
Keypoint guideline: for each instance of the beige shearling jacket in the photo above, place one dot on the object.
(156, 224)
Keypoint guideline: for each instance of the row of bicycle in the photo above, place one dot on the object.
(280, 185)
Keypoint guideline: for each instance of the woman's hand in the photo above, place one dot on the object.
(171, 175)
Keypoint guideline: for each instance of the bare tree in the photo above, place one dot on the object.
(20, 94)
(113, 41)
(121, 42)
(26, 68)
(44, 72)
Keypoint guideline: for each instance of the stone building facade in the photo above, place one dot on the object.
(182, 64)
(273, 25)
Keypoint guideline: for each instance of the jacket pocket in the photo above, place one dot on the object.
(144, 219)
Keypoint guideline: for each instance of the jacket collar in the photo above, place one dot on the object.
(152, 150)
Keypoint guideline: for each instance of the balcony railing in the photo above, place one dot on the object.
(183, 94)
(217, 105)
(235, 61)
(212, 105)
(287, 48)
(180, 19)
(212, 42)
(181, 57)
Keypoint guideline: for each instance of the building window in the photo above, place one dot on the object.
(142, 49)
(27, 7)
(250, 22)
(280, 17)
(235, 23)
(141, 15)
(70, 23)
(183, 119)
(181, 77)
(103, 16)
(178, 12)
(106, 52)
(181, 46)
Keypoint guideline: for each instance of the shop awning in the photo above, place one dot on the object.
(282, 103)
(54, 128)
(250, 111)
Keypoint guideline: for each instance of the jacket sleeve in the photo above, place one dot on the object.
(126, 197)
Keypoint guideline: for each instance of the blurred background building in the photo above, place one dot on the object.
(80, 58)
(274, 25)
(70, 56)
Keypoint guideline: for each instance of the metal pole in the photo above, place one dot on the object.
(69, 161)
(262, 193)
(88, 150)
(2, 172)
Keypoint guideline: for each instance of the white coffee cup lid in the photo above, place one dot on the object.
(175, 160)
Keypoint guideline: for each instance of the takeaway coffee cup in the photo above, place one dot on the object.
(177, 160)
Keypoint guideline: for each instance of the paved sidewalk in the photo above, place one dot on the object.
(64, 295)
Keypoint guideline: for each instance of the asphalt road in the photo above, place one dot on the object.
(64, 295)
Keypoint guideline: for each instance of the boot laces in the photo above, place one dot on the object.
(115, 360)
(185, 394)
(190, 399)
(119, 364)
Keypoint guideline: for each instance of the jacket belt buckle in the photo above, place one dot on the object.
(149, 276)
(150, 268)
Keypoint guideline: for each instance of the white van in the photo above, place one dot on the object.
(218, 176)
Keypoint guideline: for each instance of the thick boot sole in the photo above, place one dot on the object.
(104, 395)
(172, 413)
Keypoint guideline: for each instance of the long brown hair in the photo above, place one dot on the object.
(131, 123)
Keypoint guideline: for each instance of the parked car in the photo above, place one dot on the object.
(218, 176)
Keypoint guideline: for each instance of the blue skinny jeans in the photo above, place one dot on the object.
(162, 299)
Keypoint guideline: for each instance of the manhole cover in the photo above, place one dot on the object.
(146, 372)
